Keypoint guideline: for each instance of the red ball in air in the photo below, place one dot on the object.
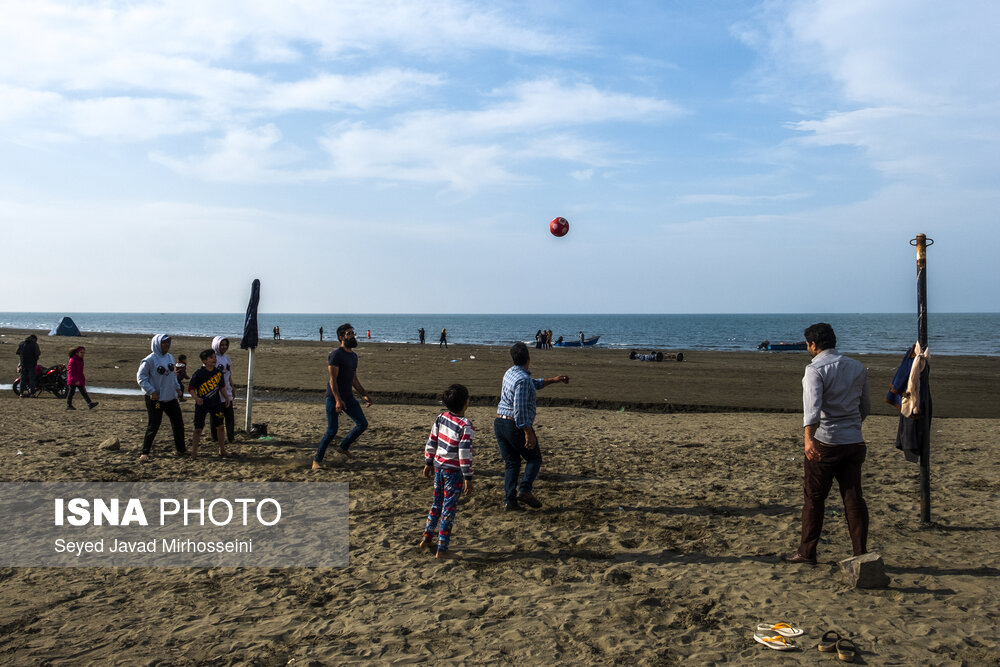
(559, 226)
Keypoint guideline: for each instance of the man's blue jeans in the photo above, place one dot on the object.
(353, 410)
(510, 439)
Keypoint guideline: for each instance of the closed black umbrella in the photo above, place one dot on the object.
(249, 342)
(250, 338)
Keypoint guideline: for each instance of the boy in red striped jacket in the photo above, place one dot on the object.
(448, 456)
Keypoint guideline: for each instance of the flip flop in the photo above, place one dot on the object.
(828, 643)
(783, 629)
(846, 649)
(777, 642)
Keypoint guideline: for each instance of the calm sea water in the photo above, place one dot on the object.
(948, 333)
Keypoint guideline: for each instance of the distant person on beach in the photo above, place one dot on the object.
(514, 428)
(221, 346)
(342, 367)
(321, 334)
(157, 378)
(29, 352)
(538, 339)
(422, 334)
(208, 388)
(448, 459)
(444, 338)
(835, 400)
(75, 380)
(547, 344)
(277, 333)
(180, 370)
(582, 339)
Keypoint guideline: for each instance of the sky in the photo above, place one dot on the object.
(407, 156)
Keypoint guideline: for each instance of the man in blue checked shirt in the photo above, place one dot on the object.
(514, 429)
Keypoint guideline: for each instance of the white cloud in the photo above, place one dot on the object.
(212, 59)
(330, 91)
(739, 200)
(245, 155)
(471, 149)
(914, 83)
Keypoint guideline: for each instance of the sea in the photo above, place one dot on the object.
(859, 333)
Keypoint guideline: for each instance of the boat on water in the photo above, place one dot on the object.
(768, 346)
(589, 342)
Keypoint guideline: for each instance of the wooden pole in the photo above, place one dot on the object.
(921, 242)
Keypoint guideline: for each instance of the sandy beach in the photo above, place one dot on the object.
(670, 491)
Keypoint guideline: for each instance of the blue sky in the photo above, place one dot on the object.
(407, 156)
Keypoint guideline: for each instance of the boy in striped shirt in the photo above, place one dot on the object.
(448, 455)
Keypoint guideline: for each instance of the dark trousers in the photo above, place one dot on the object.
(155, 411)
(510, 439)
(229, 416)
(72, 390)
(29, 379)
(843, 463)
(353, 410)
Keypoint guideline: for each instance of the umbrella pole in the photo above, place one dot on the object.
(249, 393)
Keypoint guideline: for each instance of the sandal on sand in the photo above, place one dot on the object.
(828, 643)
(777, 642)
(783, 629)
(846, 649)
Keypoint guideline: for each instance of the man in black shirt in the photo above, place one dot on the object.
(342, 367)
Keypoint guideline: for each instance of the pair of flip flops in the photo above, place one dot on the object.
(832, 641)
(777, 635)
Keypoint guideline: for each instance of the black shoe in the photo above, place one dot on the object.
(797, 558)
(92, 405)
(70, 407)
(512, 507)
(529, 499)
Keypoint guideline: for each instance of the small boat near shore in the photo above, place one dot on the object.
(589, 342)
(768, 346)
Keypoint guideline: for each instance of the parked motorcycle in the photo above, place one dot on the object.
(46, 379)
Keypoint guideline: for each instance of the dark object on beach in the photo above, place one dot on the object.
(66, 327)
(258, 430)
(251, 337)
(768, 346)
(589, 342)
(47, 379)
(655, 356)
(864, 571)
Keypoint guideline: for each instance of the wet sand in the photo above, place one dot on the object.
(658, 541)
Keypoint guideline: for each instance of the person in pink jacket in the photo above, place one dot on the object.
(75, 379)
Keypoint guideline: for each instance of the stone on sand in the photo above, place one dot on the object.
(866, 571)
(111, 444)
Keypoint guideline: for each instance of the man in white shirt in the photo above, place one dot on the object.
(835, 400)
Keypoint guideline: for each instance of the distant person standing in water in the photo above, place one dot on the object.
(321, 334)
(277, 332)
(422, 334)
(444, 338)
(343, 380)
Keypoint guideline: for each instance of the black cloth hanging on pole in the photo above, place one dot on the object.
(250, 338)
(913, 435)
